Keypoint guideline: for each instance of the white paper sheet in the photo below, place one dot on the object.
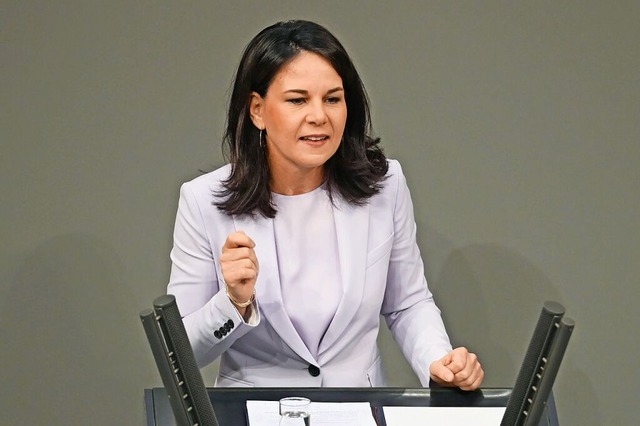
(449, 416)
(265, 413)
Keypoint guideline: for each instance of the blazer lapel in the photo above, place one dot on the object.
(352, 232)
(268, 289)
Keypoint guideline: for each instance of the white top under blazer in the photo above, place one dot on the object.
(381, 273)
(308, 262)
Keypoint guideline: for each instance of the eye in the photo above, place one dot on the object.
(333, 100)
(296, 101)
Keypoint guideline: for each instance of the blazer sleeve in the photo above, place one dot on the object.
(211, 321)
(408, 307)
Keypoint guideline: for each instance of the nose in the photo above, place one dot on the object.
(316, 115)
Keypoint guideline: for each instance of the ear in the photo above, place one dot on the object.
(256, 106)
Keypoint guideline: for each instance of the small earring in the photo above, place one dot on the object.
(260, 140)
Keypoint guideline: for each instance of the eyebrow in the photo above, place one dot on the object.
(306, 92)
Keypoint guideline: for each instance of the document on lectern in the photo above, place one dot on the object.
(453, 416)
(265, 413)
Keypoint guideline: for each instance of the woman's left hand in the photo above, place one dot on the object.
(459, 368)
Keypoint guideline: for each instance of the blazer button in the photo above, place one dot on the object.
(230, 323)
(217, 334)
(314, 371)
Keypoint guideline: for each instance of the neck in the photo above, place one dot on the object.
(296, 182)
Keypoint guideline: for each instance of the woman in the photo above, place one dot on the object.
(284, 259)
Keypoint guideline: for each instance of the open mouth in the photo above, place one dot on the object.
(314, 138)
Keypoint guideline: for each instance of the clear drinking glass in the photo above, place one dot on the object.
(294, 411)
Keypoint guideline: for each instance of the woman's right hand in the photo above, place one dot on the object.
(239, 268)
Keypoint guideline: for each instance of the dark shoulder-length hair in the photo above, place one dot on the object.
(355, 172)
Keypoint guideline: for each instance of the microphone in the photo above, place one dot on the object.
(176, 363)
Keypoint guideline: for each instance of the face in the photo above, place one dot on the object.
(304, 114)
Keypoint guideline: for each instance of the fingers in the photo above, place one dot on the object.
(475, 384)
(238, 239)
(239, 257)
(238, 247)
(440, 373)
(239, 271)
(464, 369)
(455, 360)
(471, 376)
(240, 265)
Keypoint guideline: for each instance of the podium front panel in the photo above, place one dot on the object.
(230, 403)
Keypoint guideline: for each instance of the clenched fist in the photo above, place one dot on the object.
(239, 267)
(459, 368)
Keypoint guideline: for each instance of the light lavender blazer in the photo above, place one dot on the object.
(382, 273)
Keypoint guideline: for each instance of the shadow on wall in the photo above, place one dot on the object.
(71, 338)
(491, 298)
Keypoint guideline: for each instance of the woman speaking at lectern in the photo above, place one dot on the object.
(285, 258)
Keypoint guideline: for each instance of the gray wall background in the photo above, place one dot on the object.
(516, 124)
